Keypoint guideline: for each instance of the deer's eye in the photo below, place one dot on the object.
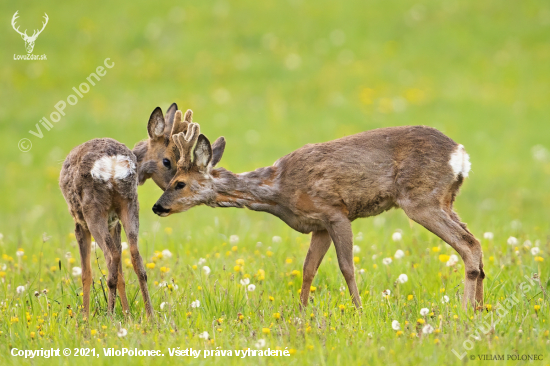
(179, 185)
(166, 163)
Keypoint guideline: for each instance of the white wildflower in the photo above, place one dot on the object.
(386, 261)
(386, 292)
(277, 239)
(124, 246)
(245, 281)
(535, 250)
(361, 271)
(166, 253)
(162, 305)
(395, 325)
(233, 239)
(424, 311)
(512, 241)
(488, 235)
(359, 236)
(251, 287)
(356, 249)
(453, 259)
(195, 304)
(204, 335)
(94, 245)
(206, 270)
(402, 278)
(122, 333)
(261, 343)
(445, 299)
(342, 288)
(527, 243)
(77, 271)
(68, 255)
(163, 284)
(374, 256)
(399, 254)
(397, 236)
(427, 329)
(201, 261)
(20, 253)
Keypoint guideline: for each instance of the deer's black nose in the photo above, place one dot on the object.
(158, 209)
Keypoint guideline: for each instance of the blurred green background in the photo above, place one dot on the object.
(272, 76)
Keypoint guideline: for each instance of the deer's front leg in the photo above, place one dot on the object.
(320, 242)
(342, 236)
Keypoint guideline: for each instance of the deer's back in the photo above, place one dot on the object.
(366, 173)
(98, 172)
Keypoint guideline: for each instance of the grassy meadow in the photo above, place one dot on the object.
(271, 77)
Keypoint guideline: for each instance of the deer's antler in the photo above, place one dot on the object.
(185, 143)
(35, 34)
(179, 125)
(15, 16)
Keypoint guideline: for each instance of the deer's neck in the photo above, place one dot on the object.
(256, 190)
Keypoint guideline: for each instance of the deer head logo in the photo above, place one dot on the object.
(29, 41)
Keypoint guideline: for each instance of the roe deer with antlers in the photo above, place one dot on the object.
(99, 181)
(321, 188)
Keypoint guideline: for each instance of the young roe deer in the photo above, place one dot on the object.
(99, 181)
(321, 188)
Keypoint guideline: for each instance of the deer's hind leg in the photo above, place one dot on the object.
(121, 285)
(434, 218)
(85, 244)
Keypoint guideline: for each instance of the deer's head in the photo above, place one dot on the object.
(29, 40)
(193, 183)
(158, 155)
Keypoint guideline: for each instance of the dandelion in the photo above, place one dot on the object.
(342, 288)
(166, 253)
(251, 287)
(386, 261)
(204, 335)
(537, 307)
(77, 271)
(122, 333)
(539, 259)
(361, 271)
(410, 297)
(276, 239)
(277, 316)
(261, 343)
(397, 236)
(359, 236)
(535, 250)
(266, 330)
(453, 259)
(395, 325)
(399, 254)
(245, 281)
(356, 249)
(512, 241)
(402, 278)
(444, 258)
(386, 292)
(488, 235)
(427, 329)
(424, 311)
(206, 270)
(20, 252)
(195, 304)
(150, 265)
(233, 239)
(162, 305)
(527, 243)
(201, 261)
(36, 293)
(445, 299)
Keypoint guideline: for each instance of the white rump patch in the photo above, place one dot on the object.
(113, 167)
(460, 162)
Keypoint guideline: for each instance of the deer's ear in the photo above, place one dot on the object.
(218, 148)
(203, 152)
(156, 124)
(169, 119)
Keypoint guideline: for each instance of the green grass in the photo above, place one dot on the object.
(272, 76)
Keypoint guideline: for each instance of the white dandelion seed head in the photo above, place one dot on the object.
(251, 287)
(386, 292)
(4, 266)
(201, 261)
(77, 271)
(233, 239)
(162, 305)
(68, 255)
(204, 335)
(20, 253)
(94, 245)
(276, 239)
(374, 256)
(166, 253)
(399, 254)
(535, 250)
(122, 333)
(175, 287)
(342, 288)
(488, 235)
(261, 343)
(424, 311)
(361, 271)
(245, 281)
(445, 299)
(195, 304)
(206, 270)
(427, 329)
(359, 236)
(124, 245)
(397, 236)
(453, 259)
(356, 249)
(395, 325)
(402, 278)
(163, 284)
(386, 261)
(512, 241)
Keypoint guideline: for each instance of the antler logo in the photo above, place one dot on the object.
(29, 41)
